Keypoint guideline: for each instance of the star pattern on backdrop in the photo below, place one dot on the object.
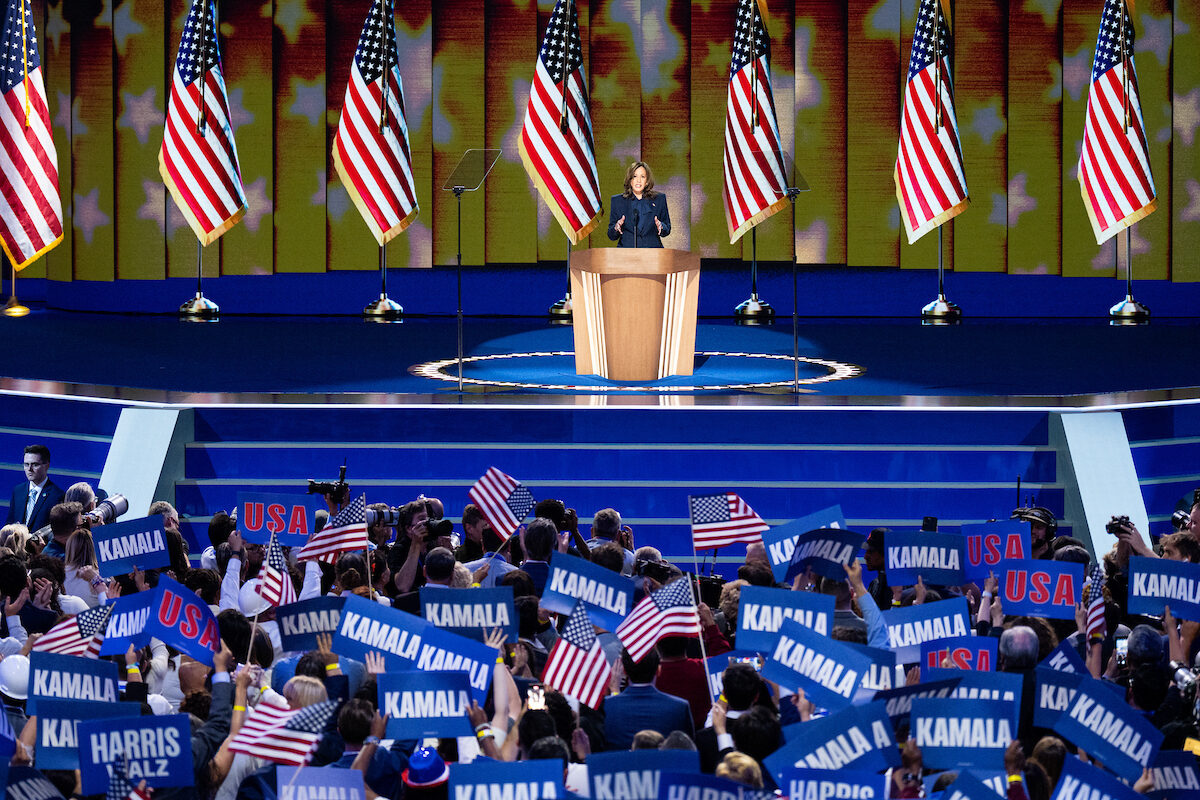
(68, 117)
(308, 100)
(154, 209)
(141, 114)
(1186, 116)
(318, 197)
(238, 115)
(1191, 213)
(258, 203)
(291, 17)
(56, 25)
(1019, 202)
(987, 122)
(88, 216)
(125, 26)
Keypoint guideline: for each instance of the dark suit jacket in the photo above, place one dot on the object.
(50, 497)
(640, 708)
(642, 213)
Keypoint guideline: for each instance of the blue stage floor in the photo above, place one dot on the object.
(848, 360)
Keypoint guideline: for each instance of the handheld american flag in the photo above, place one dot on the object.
(721, 519)
(556, 140)
(504, 501)
(1093, 596)
(78, 635)
(755, 183)
(1114, 165)
(276, 586)
(347, 530)
(930, 183)
(198, 159)
(370, 149)
(120, 787)
(576, 665)
(669, 611)
(274, 732)
(30, 208)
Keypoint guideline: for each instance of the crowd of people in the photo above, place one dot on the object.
(49, 571)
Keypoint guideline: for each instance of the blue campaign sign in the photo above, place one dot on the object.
(898, 702)
(858, 737)
(635, 775)
(977, 653)
(607, 595)
(184, 621)
(57, 721)
(699, 785)
(300, 623)
(908, 628)
(781, 541)
(310, 783)
(27, 783)
(122, 546)
(829, 672)
(420, 704)
(935, 557)
(1102, 724)
(54, 676)
(986, 545)
(292, 517)
(470, 612)
(762, 610)
(1053, 692)
(1176, 775)
(956, 734)
(409, 642)
(826, 551)
(830, 784)
(539, 779)
(1065, 658)
(881, 671)
(128, 623)
(156, 749)
(996, 686)
(1078, 779)
(715, 666)
(1158, 582)
(970, 786)
(1040, 588)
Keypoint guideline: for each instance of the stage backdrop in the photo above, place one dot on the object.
(658, 71)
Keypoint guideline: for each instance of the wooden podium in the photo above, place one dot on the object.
(634, 312)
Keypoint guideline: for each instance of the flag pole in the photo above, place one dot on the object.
(940, 311)
(695, 591)
(1128, 311)
(754, 311)
(384, 309)
(200, 308)
(13, 307)
(561, 313)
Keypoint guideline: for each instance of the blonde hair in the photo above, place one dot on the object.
(648, 190)
(16, 537)
(731, 595)
(302, 691)
(80, 550)
(461, 579)
(741, 768)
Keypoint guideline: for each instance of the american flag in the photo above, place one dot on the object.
(370, 149)
(930, 183)
(276, 586)
(1093, 595)
(30, 208)
(669, 611)
(346, 531)
(198, 158)
(721, 519)
(576, 665)
(274, 732)
(78, 635)
(556, 140)
(119, 785)
(504, 501)
(1114, 165)
(755, 183)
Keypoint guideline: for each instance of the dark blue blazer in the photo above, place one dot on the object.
(640, 708)
(50, 497)
(644, 213)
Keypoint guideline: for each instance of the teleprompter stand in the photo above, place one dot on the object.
(468, 175)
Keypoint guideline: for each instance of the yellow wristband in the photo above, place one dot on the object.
(332, 667)
(133, 669)
(1014, 779)
(239, 708)
(499, 659)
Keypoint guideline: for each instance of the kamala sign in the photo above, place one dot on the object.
(908, 628)
(1157, 582)
(122, 547)
(761, 612)
(936, 557)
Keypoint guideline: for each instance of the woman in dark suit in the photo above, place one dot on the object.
(638, 217)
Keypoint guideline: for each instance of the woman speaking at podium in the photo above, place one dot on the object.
(638, 217)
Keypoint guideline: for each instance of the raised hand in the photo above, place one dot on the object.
(660, 226)
(620, 222)
(375, 663)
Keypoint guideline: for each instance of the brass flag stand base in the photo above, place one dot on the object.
(385, 309)
(199, 308)
(13, 307)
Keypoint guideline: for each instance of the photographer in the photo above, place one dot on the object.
(65, 519)
(406, 558)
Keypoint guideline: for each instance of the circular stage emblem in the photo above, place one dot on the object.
(500, 370)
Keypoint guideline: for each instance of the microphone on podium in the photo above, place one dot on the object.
(636, 214)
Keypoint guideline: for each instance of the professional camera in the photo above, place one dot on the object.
(1118, 525)
(659, 571)
(389, 517)
(1181, 520)
(107, 510)
(436, 528)
(336, 491)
